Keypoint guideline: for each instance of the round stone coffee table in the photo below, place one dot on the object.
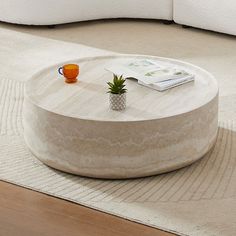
(71, 128)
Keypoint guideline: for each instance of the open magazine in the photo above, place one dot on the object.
(151, 74)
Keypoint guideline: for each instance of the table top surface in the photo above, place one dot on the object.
(88, 98)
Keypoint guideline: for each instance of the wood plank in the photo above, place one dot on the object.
(25, 212)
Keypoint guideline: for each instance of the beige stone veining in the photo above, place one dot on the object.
(70, 126)
(88, 99)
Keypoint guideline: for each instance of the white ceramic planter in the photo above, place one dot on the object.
(117, 101)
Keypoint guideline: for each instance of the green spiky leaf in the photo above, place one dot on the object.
(117, 86)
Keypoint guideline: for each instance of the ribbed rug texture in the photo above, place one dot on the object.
(197, 200)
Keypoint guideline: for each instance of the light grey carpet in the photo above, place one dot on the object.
(197, 200)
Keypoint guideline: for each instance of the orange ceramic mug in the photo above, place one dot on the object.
(70, 72)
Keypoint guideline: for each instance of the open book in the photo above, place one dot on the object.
(150, 74)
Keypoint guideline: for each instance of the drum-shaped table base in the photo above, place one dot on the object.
(124, 145)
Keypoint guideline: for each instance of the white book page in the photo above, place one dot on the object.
(147, 71)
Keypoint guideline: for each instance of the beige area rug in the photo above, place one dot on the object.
(198, 200)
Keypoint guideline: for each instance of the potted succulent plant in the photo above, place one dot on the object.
(117, 93)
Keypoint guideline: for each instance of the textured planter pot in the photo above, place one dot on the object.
(117, 101)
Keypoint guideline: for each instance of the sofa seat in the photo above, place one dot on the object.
(49, 12)
(213, 15)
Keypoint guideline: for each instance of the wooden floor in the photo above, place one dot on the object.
(24, 212)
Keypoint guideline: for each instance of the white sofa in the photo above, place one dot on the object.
(214, 15)
(50, 12)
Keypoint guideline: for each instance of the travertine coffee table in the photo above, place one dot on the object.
(71, 128)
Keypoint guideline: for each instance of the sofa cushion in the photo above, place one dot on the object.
(46, 12)
(214, 15)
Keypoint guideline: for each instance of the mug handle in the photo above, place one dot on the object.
(60, 71)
